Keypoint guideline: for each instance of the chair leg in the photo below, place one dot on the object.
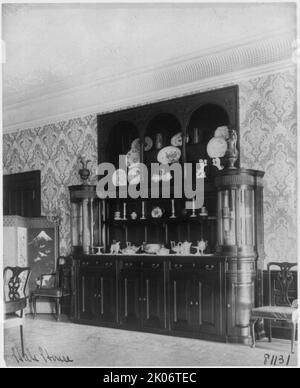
(57, 304)
(270, 330)
(34, 306)
(22, 340)
(252, 328)
(293, 336)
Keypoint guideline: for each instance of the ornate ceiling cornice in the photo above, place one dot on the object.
(94, 94)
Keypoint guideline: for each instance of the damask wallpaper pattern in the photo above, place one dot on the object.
(55, 150)
(268, 142)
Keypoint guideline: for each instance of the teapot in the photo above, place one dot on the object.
(186, 248)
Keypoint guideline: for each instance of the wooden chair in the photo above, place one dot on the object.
(15, 294)
(281, 306)
(54, 286)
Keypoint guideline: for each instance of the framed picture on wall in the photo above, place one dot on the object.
(42, 248)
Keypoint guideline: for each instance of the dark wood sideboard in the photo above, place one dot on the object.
(185, 296)
(207, 296)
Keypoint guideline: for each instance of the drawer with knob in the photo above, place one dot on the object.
(98, 263)
(180, 266)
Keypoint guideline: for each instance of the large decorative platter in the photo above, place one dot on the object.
(119, 178)
(177, 141)
(216, 147)
(148, 143)
(134, 175)
(222, 131)
(132, 158)
(169, 155)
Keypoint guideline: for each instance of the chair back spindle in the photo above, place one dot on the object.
(279, 288)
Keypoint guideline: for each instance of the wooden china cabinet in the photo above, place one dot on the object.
(174, 290)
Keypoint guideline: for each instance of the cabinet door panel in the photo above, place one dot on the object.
(88, 295)
(130, 298)
(154, 299)
(209, 298)
(181, 301)
(207, 306)
(107, 291)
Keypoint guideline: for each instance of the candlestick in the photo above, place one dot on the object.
(173, 209)
(143, 211)
(124, 211)
(193, 212)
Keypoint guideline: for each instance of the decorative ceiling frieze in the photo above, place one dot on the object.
(219, 66)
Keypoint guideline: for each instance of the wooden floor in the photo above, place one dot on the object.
(76, 345)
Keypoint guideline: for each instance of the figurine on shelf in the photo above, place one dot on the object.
(203, 212)
(115, 248)
(201, 246)
(232, 152)
(84, 172)
(133, 215)
(217, 163)
(201, 166)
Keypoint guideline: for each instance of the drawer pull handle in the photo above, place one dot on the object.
(191, 303)
(209, 267)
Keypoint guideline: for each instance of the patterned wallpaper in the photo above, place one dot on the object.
(268, 122)
(54, 149)
(268, 142)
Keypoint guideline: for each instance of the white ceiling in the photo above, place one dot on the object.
(53, 44)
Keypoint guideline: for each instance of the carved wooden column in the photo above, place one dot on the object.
(240, 239)
(86, 231)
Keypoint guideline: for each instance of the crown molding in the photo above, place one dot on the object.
(217, 67)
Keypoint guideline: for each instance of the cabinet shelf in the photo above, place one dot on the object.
(163, 220)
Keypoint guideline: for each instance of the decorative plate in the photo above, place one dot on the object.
(134, 175)
(166, 176)
(119, 178)
(216, 147)
(169, 154)
(176, 140)
(132, 158)
(135, 145)
(222, 131)
(156, 212)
